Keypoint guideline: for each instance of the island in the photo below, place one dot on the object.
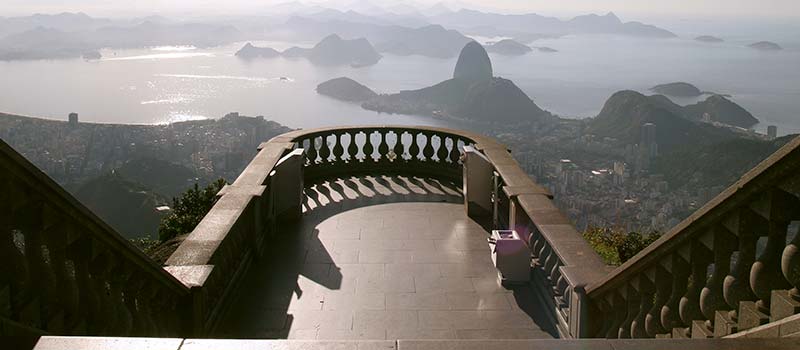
(545, 49)
(346, 89)
(332, 50)
(92, 55)
(508, 47)
(251, 52)
(708, 39)
(765, 46)
(679, 89)
(472, 95)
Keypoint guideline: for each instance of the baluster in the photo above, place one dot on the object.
(537, 243)
(722, 244)
(338, 149)
(106, 316)
(766, 274)
(603, 310)
(383, 145)
(455, 153)
(428, 150)
(550, 261)
(352, 148)
(80, 251)
(790, 259)
(146, 301)
(311, 152)
(117, 278)
(689, 306)
(620, 308)
(790, 265)
(644, 287)
(42, 284)
(736, 287)
(679, 268)
(413, 150)
(441, 152)
(14, 269)
(132, 291)
(56, 239)
(397, 149)
(325, 150)
(369, 149)
(663, 288)
(632, 301)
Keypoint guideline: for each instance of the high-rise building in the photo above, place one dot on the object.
(73, 119)
(772, 131)
(648, 134)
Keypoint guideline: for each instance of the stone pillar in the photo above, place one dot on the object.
(478, 172)
(286, 184)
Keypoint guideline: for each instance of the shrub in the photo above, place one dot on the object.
(188, 210)
(615, 246)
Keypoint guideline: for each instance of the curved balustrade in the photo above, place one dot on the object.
(63, 271)
(732, 266)
(355, 150)
(218, 251)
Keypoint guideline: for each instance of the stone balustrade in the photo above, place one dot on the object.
(216, 253)
(64, 271)
(732, 266)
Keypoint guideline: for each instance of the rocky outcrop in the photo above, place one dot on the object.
(508, 47)
(719, 109)
(473, 64)
(346, 89)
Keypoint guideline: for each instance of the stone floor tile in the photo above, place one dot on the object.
(476, 301)
(451, 320)
(385, 319)
(393, 284)
(443, 284)
(417, 301)
(354, 302)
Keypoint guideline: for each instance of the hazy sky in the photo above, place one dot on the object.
(648, 8)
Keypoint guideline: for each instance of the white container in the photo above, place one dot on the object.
(511, 256)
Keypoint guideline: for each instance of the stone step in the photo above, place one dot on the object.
(107, 343)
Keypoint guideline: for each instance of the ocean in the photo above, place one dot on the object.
(168, 84)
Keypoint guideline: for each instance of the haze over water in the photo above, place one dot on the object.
(162, 85)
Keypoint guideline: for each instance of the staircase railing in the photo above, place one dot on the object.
(731, 266)
(64, 271)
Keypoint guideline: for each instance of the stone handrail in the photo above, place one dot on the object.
(214, 256)
(725, 269)
(64, 271)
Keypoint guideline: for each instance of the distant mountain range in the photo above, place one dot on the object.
(64, 40)
(472, 21)
(406, 32)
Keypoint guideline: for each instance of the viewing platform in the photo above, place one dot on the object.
(379, 237)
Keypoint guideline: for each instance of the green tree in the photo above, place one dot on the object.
(616, 246)
(188, 210)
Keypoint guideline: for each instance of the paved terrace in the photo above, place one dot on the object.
(382, 258)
